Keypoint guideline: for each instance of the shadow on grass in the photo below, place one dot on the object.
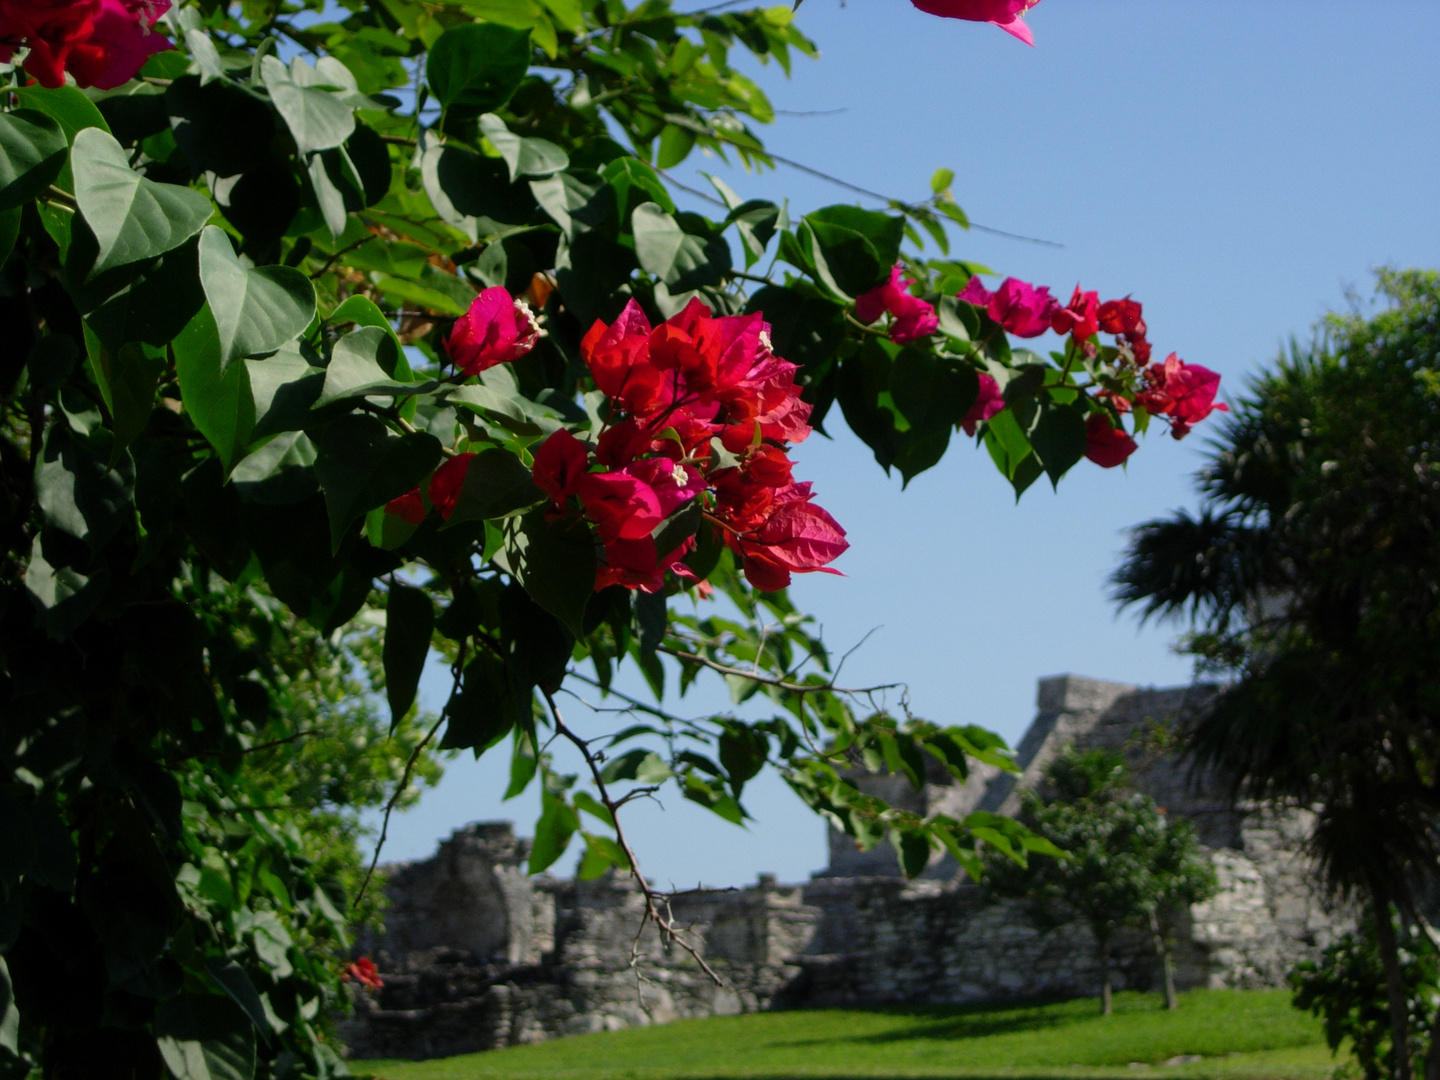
(950, 1022)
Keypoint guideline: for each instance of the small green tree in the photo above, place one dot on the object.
(1347, 988)
(1124, 863)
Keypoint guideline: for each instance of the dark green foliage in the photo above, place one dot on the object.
(1312, 574)
(1346, 989)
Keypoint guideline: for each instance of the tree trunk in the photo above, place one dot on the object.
(1103, 944)
(1394, 980)
(1166, 952)
(1432, 1056)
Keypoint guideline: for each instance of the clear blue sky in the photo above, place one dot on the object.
(1236, 165)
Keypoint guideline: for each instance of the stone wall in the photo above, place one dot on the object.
(479, 955)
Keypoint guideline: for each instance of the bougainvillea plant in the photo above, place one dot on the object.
(384, 313)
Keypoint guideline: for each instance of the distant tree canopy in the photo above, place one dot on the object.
(1124, 863)
(1312, 576)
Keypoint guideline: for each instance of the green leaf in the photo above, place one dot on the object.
(941, 180)
(859, 246)
(585, 801)
(231, 977)
(525, 157)
(9, 1014)
(677, 258)
(66, 105)
(635, 182)
(133, 376)
(256, 310)
(757, 222)
(280, 472)
(497, 483)
(601, 853)
(558, 823)
(64, 594)
(132, 218)
(409, 623)
(1058, 437)
(9, 232)
(933, 392)
(361, 466)
(556, 565)
(219, 127)
(714, 798)
(483, 709)
(79, 492)
(205, 1037)
(32, 153)
(642, 766)
(362, 311)
(358, 368)
(318, 119)
(914, 848)
(219, 403)
(477, 66)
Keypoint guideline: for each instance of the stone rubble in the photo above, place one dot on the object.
(478, 955)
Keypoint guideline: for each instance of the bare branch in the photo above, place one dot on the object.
(404, 784)
(664, 923)
(781, 684)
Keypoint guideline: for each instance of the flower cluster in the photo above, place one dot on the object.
(1182, 393)
(364, 972)
(701, 410)
(912, 318)
(1005, 14)
(701, 413)
(102, 43)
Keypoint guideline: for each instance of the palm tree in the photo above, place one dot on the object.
(1312, 576)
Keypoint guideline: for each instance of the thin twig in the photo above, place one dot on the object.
(694, 191)
(663, 923)
(404, 784)
(318, 274)
(780, 684)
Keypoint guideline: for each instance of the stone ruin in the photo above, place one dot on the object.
(478, 955)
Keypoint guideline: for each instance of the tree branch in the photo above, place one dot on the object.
(663, 922)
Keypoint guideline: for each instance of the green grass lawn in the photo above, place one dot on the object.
(1254, 1035)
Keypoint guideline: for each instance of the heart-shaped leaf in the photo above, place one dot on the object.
(256, 310)
(132, 218)
(318, 119)
(477, 66)
(362, 466)
(526, 157)
(32, 153)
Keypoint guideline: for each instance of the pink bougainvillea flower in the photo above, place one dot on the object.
(445, 485)
(618, 356)
(1023, 309)
(623, 507)
(1183, 392)
(1005, 14)
(1080, 317)
(672, 482)
(988, 402)
(103, 43)
(1105, 444)
(122, 40)
(409, 508)
(559, 464)
(1121, 317)
(635, 564)
(364, 972)
(496, 330)
(913, 318)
